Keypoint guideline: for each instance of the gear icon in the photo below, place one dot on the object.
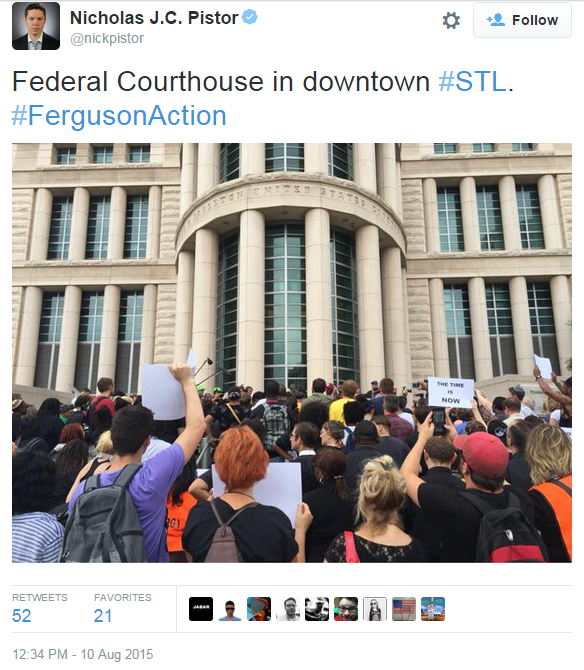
(451, 20)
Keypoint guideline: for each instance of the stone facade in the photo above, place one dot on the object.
(389, 208)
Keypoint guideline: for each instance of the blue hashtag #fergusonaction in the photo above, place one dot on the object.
(446, 80)
(18, 116)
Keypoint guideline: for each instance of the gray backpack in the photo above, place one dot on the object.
(223, 547)
(104, 526)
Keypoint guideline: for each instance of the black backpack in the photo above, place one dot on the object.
(104, 526)
(506, 535)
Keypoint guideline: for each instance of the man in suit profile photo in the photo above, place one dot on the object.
(35, 18)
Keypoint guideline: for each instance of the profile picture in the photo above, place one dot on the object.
(316, 609)
(433, 609)
(259, 609)
(374, 609)
(36, 26)
(346, 609)
(403, 609)
(288, 610)
(200, 609)
(229, 612)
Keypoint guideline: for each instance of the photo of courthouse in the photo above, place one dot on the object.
(290, 262)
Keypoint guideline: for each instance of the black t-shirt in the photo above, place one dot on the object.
(308, 479)
(458, 520)
(263, 534)
(397, 449)
(331, 516)
(223, 414)
(517, 473)
(355, 462)
(416, 519)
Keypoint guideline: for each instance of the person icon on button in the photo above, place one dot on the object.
(498, 20)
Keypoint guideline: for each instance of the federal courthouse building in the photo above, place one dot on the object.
(290, 261)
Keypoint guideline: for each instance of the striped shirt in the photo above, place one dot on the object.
(36, 538)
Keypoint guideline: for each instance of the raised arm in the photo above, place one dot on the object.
(564, 400)
(194, 430)
(410, 468)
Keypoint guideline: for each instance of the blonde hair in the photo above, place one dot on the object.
(382, 492)
(104, 443)
(548, 453)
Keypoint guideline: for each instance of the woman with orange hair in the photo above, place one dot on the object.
(263, 534)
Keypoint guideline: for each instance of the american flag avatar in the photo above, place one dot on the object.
(403, 609)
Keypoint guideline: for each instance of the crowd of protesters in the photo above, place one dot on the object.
(381, 482)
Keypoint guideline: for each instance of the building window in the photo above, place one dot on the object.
(88, 346)
(530, 223)
(49, 340)
(227, 309)
(344, 307)
(285, 315)
(340, 160)
(485, 148)
(526, 146)
(458, 331)
(501, 329)
(284, 157)
(543, 327)
(129, 338)
(490, 219)
(444, 148)
(66, 155)
(139, 153)
(98, 227)
(136, 226)
(450, 219)
(60, 230)
(229, 162)
(103, 153)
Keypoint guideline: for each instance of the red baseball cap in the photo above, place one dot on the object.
(485, 454)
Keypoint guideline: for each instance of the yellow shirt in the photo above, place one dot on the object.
(336, 410)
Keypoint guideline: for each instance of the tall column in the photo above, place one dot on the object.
(550, 215)
(187, 176)
(387, 174)
(79, 220)
(319, 325)
(370, 304)
(41, 226)
(509, 213)
(400, 200)
(251, 302)
(479, 324)
(109, 332)
(69, 339)
(470, 214)
(117, 227)
(430, 194)
(208, 167)
(521, 325)
(364, 158)
(148, 328)
(393, 316)
(407, 327)
(560, 290)
(28, 340)
(185, 276)
(154, 215)
(205, 299)
(253, 158)
(316, 157)
(439, 335)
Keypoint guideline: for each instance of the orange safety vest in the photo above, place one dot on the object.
(176, 519)
(561, 503)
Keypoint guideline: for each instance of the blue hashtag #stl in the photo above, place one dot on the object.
(18, 116)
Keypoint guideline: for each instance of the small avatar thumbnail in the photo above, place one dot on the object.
(433, 609)
(259, 609)
(403, 609)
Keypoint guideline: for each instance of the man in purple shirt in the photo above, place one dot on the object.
(131, 431)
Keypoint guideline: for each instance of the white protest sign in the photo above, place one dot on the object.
(192, 360)
(282, 488)
(545, 366)
(445, 392)
(162, 393)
